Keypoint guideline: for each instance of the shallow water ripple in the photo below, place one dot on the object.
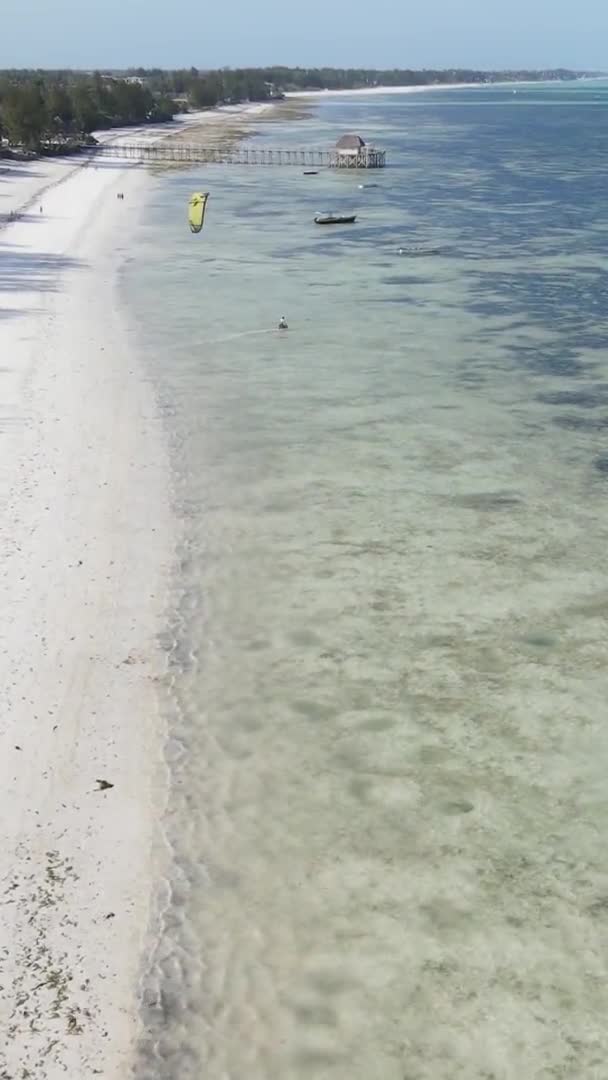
(387, 684)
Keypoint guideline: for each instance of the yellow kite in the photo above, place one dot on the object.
(196, 210)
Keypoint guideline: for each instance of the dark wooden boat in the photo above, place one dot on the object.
(311, 172)
(335, 219)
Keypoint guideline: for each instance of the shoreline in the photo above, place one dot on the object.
(88, 543)
(23, 182)
(229, 125)
(369, 91)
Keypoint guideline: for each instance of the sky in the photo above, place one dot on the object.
(338, 33)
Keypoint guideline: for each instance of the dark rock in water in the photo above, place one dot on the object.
(572, 422)
(488, 500)
(585, 399)
(539, 640)
(600, 463)
(404, 279)
(458, 806)
(313, 710)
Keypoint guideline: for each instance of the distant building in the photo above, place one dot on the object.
(134, 79)
(350, 146)
(351, 152)
(273, 92)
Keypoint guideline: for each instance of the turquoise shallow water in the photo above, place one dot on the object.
(387, 646)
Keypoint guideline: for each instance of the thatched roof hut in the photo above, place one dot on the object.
(350, 144)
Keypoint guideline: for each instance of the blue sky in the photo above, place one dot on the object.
(372, 33)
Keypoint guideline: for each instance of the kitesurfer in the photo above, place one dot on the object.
(282, 323)
(196, 210)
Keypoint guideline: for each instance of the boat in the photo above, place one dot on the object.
(310, 172)
(418, 249)
(335, 219)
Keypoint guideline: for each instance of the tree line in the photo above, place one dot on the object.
(258, 84)
(42, 109)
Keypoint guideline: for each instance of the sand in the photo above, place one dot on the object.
(366, 91)
(87, 544)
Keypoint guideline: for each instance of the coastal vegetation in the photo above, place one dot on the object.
(44, 110)
(262, 82)
(39, 110)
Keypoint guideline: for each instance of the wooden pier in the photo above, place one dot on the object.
(367, 158)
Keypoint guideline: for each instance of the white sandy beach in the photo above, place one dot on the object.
(367, 91)
(86, 548)
(87, 544)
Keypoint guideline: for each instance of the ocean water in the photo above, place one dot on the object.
(387, 686)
